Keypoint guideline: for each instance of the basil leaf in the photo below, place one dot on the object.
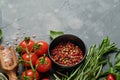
(0, 33)
(54, 34)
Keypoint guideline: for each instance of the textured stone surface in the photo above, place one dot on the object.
(91, 20)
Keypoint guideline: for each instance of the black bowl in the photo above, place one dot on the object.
(65, 38)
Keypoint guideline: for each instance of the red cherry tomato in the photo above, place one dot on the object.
(43, 48)
(29, 74)
(27, 43)
(26, 58)
(45, 79)
(111, 77)
(44, 64)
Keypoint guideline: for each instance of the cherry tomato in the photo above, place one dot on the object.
(111, 77)
(44, 64)
(45, 79)
(43, 48)
(27, 43)
(30, 74)
(26, 57)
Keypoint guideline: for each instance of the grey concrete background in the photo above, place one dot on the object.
(91, 20)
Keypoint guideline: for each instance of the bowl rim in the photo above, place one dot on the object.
(64, 66)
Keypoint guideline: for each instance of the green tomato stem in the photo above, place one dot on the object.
(42, 60)
(31, 65)
(27, 39)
